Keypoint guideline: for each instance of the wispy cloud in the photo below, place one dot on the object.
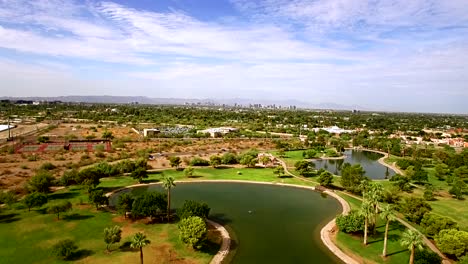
(345, 50)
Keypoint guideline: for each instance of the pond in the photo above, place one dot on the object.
(367, 159)
(272, 224)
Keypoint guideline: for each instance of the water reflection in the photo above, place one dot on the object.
(367, 159)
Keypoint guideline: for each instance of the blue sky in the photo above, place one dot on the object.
(401, 55)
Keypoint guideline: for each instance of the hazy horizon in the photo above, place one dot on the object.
(403, 56)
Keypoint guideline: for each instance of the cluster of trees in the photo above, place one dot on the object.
(248, 159)
(364, 221)
(192, 226)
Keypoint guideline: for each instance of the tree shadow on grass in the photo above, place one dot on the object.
(210, 247)
(285, 176)
(397, 252)
(125, 247)
(65, 195)
(150, 181)
(194, 177)
(75, 216)
(374, 241)
(9, 218)
(81, 254)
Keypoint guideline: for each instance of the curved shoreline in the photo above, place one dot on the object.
(325, 232)
(382, 159)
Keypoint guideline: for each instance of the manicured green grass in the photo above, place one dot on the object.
(27, 237)
(354, 203)
(249, 174)
(396, 253)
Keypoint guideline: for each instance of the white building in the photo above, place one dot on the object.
(218, 131)
(333, 130)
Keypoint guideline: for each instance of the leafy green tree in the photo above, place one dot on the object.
(69, 177)
(139, 174)
(98, 198)
(64, 249)
(193, 231)
(304, 167)
(229, 158)
(188, 171)
(387, 214)
(412, 239)
(279, 170)
(112, 235)
(433, 224)
(168, 183)
(175, 161)
(452, 242)
(402, 182)
(426, 257)
(60, 208)
(441, 171)
(367, 211)
(458, 189)
(193, 208)
(429, 193)
(139, 241)
(41, 182)
(351, 177)
(414, 208)
(215, 161)
(149, 204)
(35, 200)
(248, 160)
(350, 223)
(325, 179)
(124, 203)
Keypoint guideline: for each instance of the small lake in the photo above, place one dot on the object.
(367, 159)
(283, 225)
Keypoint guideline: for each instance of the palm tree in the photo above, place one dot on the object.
(412, 239)
(168, 183)
(367, 212)
(139, 241)
(387, 214)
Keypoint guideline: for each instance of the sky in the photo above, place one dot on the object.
(394, 55)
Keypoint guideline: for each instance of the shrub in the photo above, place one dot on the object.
(197, 161)
(64, 249)
(350, 223)
(149, 204)
(426, 257)
(47, 166)
(229, 158)
(414, 208)
(41, 182)
(193, 231)
(433, 224)
(35, 200)
(193, 208)
(452, 242)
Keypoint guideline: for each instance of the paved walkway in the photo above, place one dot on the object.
(225, 245)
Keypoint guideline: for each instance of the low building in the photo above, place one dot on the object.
(333, 130)
(150, 132)
(218, 131)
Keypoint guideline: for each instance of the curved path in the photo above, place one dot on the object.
(328, 230)
(225, 245)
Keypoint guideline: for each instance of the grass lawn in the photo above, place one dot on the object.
(353, 245)
(28, 236)
(207, 173)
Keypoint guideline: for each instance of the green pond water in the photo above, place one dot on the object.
(367, 159)
(272, 224)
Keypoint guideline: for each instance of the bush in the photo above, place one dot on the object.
(197, 161)
(35, 200)
(69, 177)
(229, 158)
(193, 231)
(433, 224)
(41, 182)
(426, 257)
(414, 208)
(452, 242)
(47, 166)
(149, 204)
(350, 223)
(64, 249)
(98, 198)
(193, 208)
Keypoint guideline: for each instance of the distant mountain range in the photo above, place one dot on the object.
(180, 101)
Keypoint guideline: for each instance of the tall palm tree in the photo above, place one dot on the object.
(367, 211)
(168, 183)
(139, 241)
(388, 214)
(412, 239)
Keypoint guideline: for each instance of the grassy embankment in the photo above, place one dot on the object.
(27, 237)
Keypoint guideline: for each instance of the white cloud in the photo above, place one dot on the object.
(347, 51)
